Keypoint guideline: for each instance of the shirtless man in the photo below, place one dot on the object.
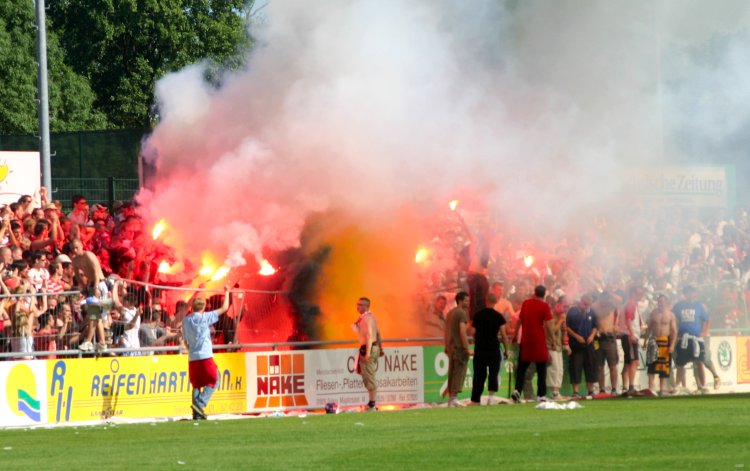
(605, 309)
(660, 340)
(370, 349)
(630, 325)
(86, 264)
(503, 306)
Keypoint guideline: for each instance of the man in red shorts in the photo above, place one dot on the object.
(196, 332)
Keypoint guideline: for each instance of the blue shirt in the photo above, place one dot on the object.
(582, 322)
(196, 330)
(690, 317)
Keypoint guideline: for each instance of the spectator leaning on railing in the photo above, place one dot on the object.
(130, 317)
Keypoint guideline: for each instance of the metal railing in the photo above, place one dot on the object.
(265, 346)
(158, 305)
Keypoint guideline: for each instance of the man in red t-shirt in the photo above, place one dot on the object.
(535, 313)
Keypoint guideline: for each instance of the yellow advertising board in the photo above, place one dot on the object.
(743, 360)
(85, 389)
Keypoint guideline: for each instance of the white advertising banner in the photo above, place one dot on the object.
(314, 378)
(684, 186)
(24, 401)
(722, 352)
(20, 174)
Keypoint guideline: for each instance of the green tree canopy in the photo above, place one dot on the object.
(71, 97)
(125, 46)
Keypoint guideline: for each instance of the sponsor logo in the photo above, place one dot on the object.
(280, 380)
(724, 355)
(20, 392)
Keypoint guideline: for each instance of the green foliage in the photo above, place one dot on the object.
(125, 46)
(70, 95)
(704, 432)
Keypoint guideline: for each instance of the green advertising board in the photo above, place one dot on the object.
(436, 376)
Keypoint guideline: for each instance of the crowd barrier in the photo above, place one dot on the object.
(95, 389)
(251, 318)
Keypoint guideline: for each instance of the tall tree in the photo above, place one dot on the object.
(70, 95)
(124, 46)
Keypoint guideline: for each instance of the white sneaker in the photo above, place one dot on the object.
(86, 346)
(541, 399)
(101, 348)
(454, 403)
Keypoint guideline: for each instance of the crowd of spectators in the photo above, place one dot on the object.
(52, 264)
(49, 256)
(640, 272)
(661, 249)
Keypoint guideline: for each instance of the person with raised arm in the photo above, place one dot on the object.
(202, 370)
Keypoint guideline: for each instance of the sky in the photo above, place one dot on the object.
(368, 117)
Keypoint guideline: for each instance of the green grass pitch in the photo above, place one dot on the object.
(706, 432)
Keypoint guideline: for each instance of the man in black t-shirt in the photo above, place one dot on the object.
(489, 326)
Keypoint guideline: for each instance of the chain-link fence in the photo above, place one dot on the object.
(88, 154)
(96, 190)
(100, 165)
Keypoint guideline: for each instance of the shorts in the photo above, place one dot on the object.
(368, 368)
(203, 373)
(693, 350)
(582, 360)
(663, 362)
(607, 352)
(94, 313)
(629, 350)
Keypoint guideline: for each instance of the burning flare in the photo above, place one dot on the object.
(159, 228)
(220, 273)
(266, 269)
(453, 205)
(209, 266)
(422, 254)
(164, 267)
(528, 261)
(206, 270)
(390, 407)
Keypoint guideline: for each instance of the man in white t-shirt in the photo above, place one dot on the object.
(38, 273)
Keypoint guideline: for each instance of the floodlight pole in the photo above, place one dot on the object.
(41, 56)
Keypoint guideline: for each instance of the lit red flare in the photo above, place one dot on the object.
(210, 269)
(389, 407)
(528, 261)
(219, 274)
(164, 267)
(266, 269)
(453, 205)
(206, 270)
(158, 228)
(422, 255)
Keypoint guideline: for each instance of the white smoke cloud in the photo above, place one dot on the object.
(367, 105)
